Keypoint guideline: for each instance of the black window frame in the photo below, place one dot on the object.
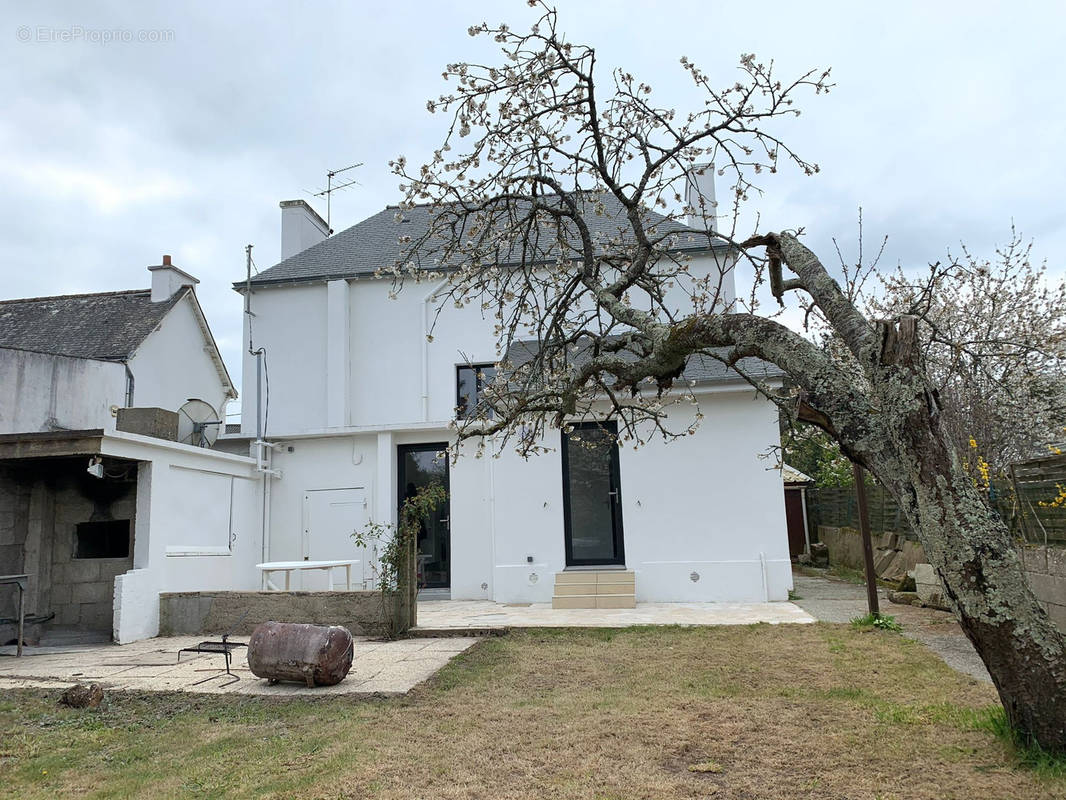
(609, 427)
(479, 383)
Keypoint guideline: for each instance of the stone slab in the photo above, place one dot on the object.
(483, 614)
(379, 667)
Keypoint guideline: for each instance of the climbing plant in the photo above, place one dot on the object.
(395, 568)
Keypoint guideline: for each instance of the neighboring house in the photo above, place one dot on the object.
(99, 504)
(356, 403)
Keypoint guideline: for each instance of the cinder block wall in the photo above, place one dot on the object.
(1044, 566)
(39, 513)
(196, 613)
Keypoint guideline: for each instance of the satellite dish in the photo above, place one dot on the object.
(198, 424)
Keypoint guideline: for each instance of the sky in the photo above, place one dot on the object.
(134, 130)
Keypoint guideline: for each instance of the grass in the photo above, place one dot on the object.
(882, 622)
(790, 711)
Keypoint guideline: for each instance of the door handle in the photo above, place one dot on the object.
(613, 493)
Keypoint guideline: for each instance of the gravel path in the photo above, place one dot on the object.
(831, 600)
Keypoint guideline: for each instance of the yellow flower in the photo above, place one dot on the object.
(973, 443)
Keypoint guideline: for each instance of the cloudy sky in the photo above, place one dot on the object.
(946, 124)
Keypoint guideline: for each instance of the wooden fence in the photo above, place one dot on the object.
(1023, 502)
(1037, 483)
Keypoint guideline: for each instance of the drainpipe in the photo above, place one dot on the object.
(129, 386)
(492, 517)
(425, 347)
(765, 578)
(806, 529)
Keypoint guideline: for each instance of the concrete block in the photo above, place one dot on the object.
(575, 601)
(60, 595)
(913, 553)
(615, 576)
(616, 601)
(581, 576)
(7, 533)
(83, 570)
(67, 614)
(567, 589)
(1056, 560)
(895, 569)
(615, 588)
(882, 558)
(157, 422)
(11, 558)
(1034, 559)
(96, 616)
(1048, 588)
(95, 592)
(1058, 615)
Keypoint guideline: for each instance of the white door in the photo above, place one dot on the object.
(330, 517)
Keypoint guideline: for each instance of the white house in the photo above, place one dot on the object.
(100, 504)
(351, 402)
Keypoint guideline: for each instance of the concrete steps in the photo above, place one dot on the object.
(608, 588)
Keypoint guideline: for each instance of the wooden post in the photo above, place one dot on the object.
(867, 544)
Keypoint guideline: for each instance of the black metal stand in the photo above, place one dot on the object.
(225, 647)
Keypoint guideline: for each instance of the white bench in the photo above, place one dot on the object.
(288, 567)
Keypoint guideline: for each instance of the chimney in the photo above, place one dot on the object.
(301, 227)
(167, 279)
(699, 196)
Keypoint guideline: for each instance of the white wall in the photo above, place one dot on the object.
(709, 505)
(291, 324)
(188, 534)
(346, 354)
(172, 365)
(704, 504)
(40, 392)
(343, 462)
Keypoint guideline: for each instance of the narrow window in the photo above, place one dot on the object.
(471, 381)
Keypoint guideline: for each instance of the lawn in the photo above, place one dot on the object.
(815, 711)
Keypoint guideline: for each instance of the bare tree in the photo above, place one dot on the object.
(993, 340)
(560, 215)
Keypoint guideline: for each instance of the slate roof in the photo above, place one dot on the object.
(700, 369)
(108, 326)
(374, 243)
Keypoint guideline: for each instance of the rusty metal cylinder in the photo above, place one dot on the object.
(317, 655)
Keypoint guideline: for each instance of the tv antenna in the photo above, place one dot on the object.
(330, 189)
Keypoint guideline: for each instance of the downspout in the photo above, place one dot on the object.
(129, 385)
(425, 347)
(492, 518)
(806, 529)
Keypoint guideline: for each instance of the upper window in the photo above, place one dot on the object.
(471, 380)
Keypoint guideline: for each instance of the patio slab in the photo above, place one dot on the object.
(441, 615)
(388, 668)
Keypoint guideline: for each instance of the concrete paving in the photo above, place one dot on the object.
(484, 614)
(831, 600)
(379, 667)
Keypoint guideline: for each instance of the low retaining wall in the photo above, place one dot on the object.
(222, 612)
(894, 556)
(1046, 569)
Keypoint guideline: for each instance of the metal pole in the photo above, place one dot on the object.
(22, 617)
(867, 544)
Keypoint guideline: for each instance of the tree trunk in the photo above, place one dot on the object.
(972, 551)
